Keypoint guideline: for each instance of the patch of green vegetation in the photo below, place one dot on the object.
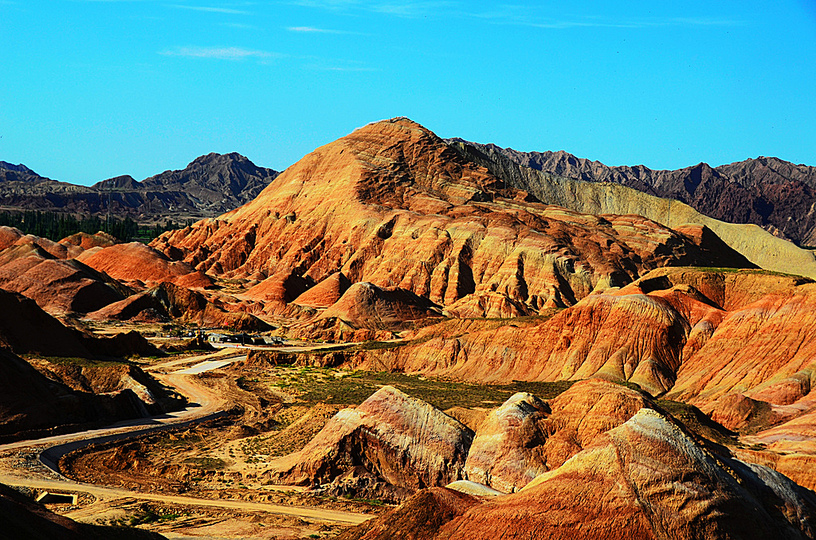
(77, 361)
(325, 385)
(753, 271)
(147, 514)
(206, 463)
(698, 422)
(176, 440)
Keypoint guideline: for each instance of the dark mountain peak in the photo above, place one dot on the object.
(16, 168)
(216, 179)
(216, 158)
(119, 182)
(209, 186)
(18, 173)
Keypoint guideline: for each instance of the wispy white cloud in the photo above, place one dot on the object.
(413, 9)
(524, 16)
(210, 9)
(398, 9)
(328, 4)
(310, 29)
(629, 24)
(240, 26)
(340, 69)
(340, 65)
(314, 30)
(220, 53)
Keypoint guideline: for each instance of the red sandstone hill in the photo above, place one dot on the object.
(55, 276)
(598, 461)
(166, 302)
(59, 285)
(394, 205)
(26, 328)
(388, 447)
(134, 263)
(699, 334)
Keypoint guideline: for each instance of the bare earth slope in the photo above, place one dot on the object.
(609, 462)
(394, 205)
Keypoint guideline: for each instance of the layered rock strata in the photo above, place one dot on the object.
(393, 205)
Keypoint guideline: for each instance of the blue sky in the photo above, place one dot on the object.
(94, 89)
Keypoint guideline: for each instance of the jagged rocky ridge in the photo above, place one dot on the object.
(756, 244)
(208, 186)
(775, 194)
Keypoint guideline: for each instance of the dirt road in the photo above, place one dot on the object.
(203, 404)
(108, 493)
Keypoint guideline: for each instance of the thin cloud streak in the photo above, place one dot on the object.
(240, 26)
(314, 30)
(518, 15)
(339, 69)
(208, 9)
(403, 9)
(220, 53)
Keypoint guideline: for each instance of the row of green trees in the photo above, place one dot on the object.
(56, 226)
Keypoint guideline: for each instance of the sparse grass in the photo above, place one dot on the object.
(76, 361)
(698, 422)
(147, 514)
(759, 271)
(206, 463)
(312, 385)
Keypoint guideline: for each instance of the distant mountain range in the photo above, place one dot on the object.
(777, 195)
(209, 186)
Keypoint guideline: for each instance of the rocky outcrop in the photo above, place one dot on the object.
(645, 479)
(506, 451)
(31, 404)
(364, 305)
(418, 518)
(325, 293)
(108, 378)
(393, 205)
(88, 241)
(388, 447)
(526, 437)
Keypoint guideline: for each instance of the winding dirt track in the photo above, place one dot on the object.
(203, 403)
